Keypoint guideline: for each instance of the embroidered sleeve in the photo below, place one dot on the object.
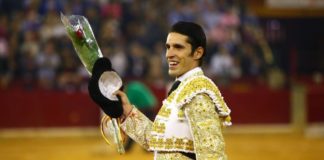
(206, 128)
(137, 126)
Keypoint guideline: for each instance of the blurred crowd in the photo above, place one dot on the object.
(36, 52)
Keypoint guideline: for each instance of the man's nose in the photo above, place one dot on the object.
(169, 53)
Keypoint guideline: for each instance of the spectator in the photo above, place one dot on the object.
(29, 51)
(118, 59)
(68, 77)
(51, 28)
(222, 67)
(32, 21)
(5, 74)
(48, 62)
(137, 62)
(251, 62)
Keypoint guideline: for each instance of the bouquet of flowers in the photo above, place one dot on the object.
(80, 32)
(84, 42)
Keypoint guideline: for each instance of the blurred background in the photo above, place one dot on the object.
(266, 56)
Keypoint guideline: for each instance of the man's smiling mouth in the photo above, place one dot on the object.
(173, 64)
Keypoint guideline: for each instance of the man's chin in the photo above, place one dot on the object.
(172, 73)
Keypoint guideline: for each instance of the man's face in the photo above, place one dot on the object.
(178, 54)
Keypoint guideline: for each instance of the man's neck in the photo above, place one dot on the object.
(188, 74)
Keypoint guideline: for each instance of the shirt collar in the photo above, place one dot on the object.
(189, 74)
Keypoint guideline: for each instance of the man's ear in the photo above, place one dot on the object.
(198, 53)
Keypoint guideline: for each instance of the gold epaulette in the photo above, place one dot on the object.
(202, 85)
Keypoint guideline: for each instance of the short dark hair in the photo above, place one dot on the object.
(195, 33)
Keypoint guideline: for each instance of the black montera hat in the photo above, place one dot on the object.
(112, 108)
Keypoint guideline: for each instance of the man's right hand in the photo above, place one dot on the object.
(127, 106)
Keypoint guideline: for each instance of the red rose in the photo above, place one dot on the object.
(79, 33)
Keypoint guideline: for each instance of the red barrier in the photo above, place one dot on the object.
(314, 97)
(315, 103)
(37, 108)
(249, 105)
(258, 105)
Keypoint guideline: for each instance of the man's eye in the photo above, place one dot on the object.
(178, 46)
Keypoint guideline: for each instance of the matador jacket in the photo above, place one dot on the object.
(190, 120)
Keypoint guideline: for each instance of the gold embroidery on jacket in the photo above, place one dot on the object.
(158, 127)
(164, 111)
(171, 143)
(202, 84)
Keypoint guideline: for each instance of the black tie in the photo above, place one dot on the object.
(174, 86)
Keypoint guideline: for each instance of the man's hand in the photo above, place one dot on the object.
(127, 107)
